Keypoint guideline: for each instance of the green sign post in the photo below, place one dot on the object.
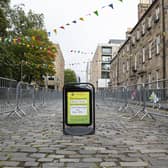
(78, 109)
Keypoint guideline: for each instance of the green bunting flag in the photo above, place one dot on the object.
(96, 13)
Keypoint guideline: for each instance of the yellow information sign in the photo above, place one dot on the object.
(78, 108)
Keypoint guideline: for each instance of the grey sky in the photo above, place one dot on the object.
(84, 35)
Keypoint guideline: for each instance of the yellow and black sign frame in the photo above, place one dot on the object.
(78, 109)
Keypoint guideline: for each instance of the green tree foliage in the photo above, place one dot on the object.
(69, 76)
(4, 4)
(29, 52)
(20, 22)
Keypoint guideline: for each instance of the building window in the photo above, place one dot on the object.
(127, 65)
(149, 80)
(149, 22)
(143, 28)
(116, 72)
(157, 14)
(150, 50)
(106, 58)
(135, 63)
(133, 40)
(143, 55)
(106, 67)
(106, 50)
(105, 75)
(128, 48)
(123, 67)
(157, 78)
(50, 77)
(157, 45)
(138, 35)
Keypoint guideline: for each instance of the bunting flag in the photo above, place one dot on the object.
(111, 5)
(96, 13)
(62, 27)
(23, 41)
(74, 21)
(55, 30)
(80, 52)
(81, 18)
(49, 34)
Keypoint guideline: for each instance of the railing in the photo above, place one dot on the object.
(147, 99)
(16, 98)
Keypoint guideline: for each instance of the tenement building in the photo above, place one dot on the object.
(144, 55)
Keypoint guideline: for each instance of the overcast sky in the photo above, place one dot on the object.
(84, 35)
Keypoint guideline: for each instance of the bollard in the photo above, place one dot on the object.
(78, 109)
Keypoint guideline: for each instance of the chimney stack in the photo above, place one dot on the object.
(128, 32)
(143, 6)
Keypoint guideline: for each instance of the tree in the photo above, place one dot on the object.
(4, 4)
(69, 76)
(31, 53)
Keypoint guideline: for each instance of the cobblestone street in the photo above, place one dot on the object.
(37, 140)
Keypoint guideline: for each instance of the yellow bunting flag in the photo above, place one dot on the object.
(33, 37)
(14, 41)
(81, 18)
(55, 30)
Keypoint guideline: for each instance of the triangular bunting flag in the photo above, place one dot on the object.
(111, 5)
(62, 27)
(55, 30)
(67, 24)
(74, 21)
(81, 18)
(96, 13)
(49, 34)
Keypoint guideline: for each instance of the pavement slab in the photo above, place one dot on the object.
(37, 140)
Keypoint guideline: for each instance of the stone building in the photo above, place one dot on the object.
(143, 56)
(100, 64)
(57, 81)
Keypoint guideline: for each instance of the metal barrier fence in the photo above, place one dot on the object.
(147, 99)
(7, 95)
(18, 97)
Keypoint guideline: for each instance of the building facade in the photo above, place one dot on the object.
(57, 81)
(144, 55)
(100, 64)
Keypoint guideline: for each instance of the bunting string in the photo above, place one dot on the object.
(80, 52)
(86, 62)
(25, 41)
(82, 18)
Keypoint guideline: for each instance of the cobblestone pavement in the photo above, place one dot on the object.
(37, 141)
